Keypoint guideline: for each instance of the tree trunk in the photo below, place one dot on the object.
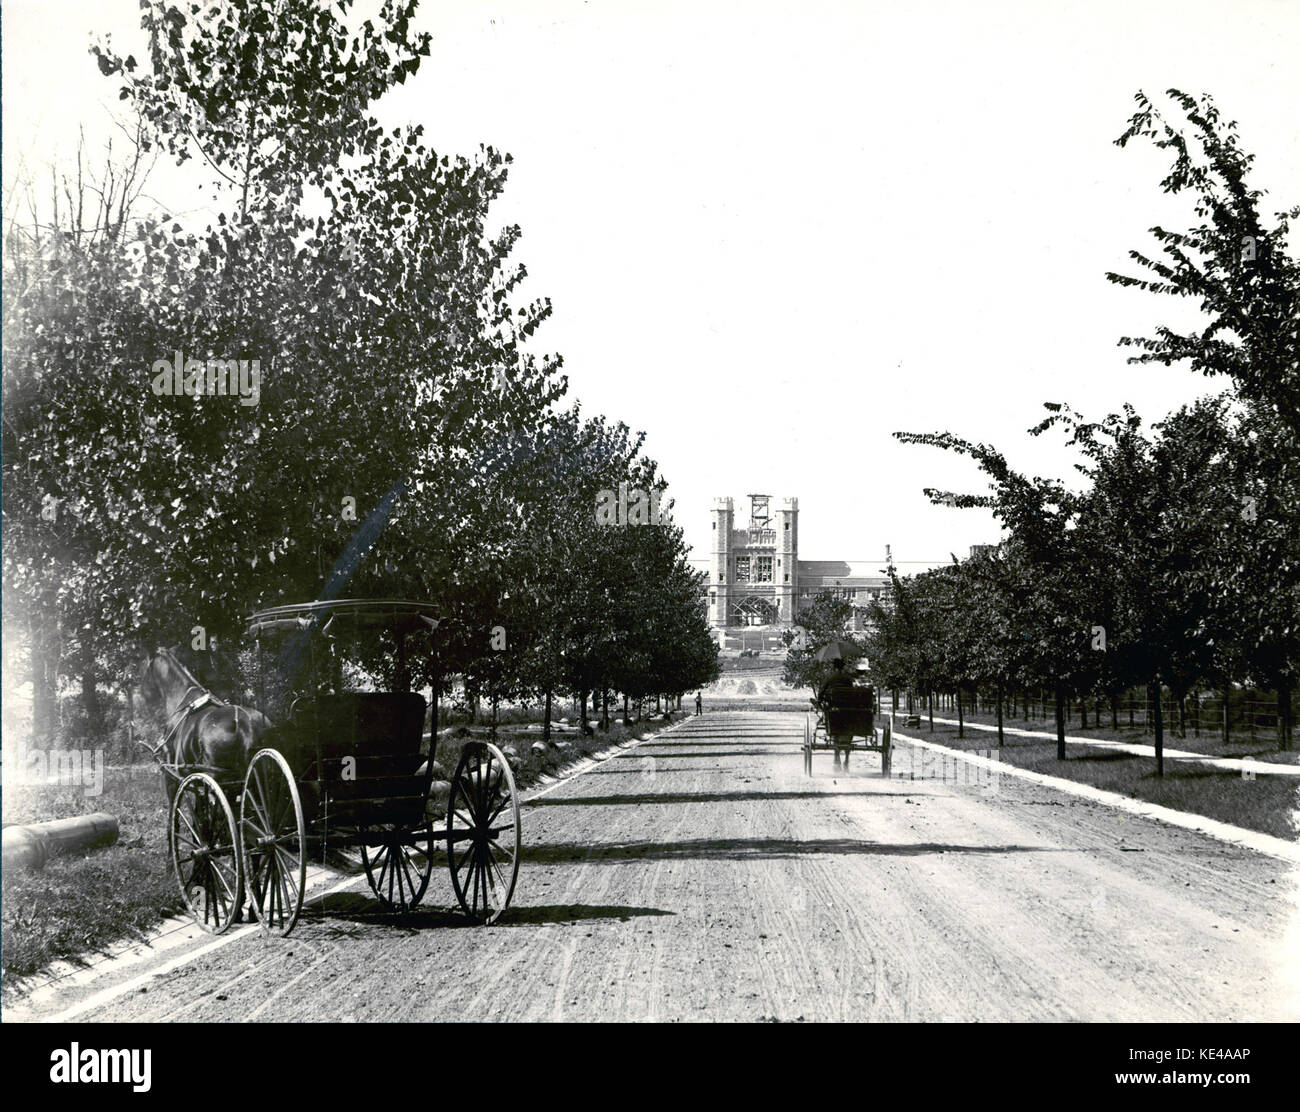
(1060, 722)
(582, 710)
(961, 722)
(128, 689)
(1114, 711)
(90, 697)
(45, 685)
(1227, 704)
(604, 709)
(1284, 715)
(471, 698)
(929, 702)
(1159, 729)
(999, 699)
(546, 719)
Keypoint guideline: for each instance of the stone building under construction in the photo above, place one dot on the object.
(758, 582)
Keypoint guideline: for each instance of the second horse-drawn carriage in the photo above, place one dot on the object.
(341, 770)
(845, 720)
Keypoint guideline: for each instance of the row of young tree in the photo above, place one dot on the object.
(400, 440)
(1178, 563)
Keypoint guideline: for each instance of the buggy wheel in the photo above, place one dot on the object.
(483, 832)
(274, 840)
(397, 869)
(203, 841)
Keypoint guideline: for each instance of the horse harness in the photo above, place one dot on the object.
(202, 699)
(178, 719)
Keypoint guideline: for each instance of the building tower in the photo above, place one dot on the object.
(787, 559)
(719, 579)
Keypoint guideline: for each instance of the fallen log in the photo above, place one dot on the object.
(31, 845)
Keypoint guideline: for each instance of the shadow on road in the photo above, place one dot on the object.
(745, 849)
(702, 754)
(348, 914)
(700, 797)
(641, 771)
(573, 913)
(724, 739)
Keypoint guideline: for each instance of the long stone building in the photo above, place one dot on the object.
(757, 580)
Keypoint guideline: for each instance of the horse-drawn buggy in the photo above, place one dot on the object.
(845, 720)
(338, 770)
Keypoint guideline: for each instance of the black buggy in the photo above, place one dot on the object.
(346, 770)
(852, 715)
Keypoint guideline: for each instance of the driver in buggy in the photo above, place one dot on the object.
(840, 683)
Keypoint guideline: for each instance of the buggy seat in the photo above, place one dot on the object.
(361, 753)
(850, 713)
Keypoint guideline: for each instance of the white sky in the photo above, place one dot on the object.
(775, 233)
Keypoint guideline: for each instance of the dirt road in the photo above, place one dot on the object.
(701, 876)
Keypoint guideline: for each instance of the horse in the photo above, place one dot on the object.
(202, 730)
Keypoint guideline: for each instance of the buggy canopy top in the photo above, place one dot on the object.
(398, 614)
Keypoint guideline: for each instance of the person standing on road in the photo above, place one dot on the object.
(699, 703)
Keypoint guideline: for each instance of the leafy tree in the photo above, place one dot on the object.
(822, 621)
(1233, 262)
(182, 512)
(1238, 267)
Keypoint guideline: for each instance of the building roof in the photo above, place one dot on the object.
(859, 570)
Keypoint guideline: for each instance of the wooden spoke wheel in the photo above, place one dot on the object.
(396, 866)
(483, 832)
(204, 844)
(274, 840)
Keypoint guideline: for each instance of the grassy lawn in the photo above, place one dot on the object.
(1268, 804)
(83, 902)
(1209, 742)
(80, 904)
